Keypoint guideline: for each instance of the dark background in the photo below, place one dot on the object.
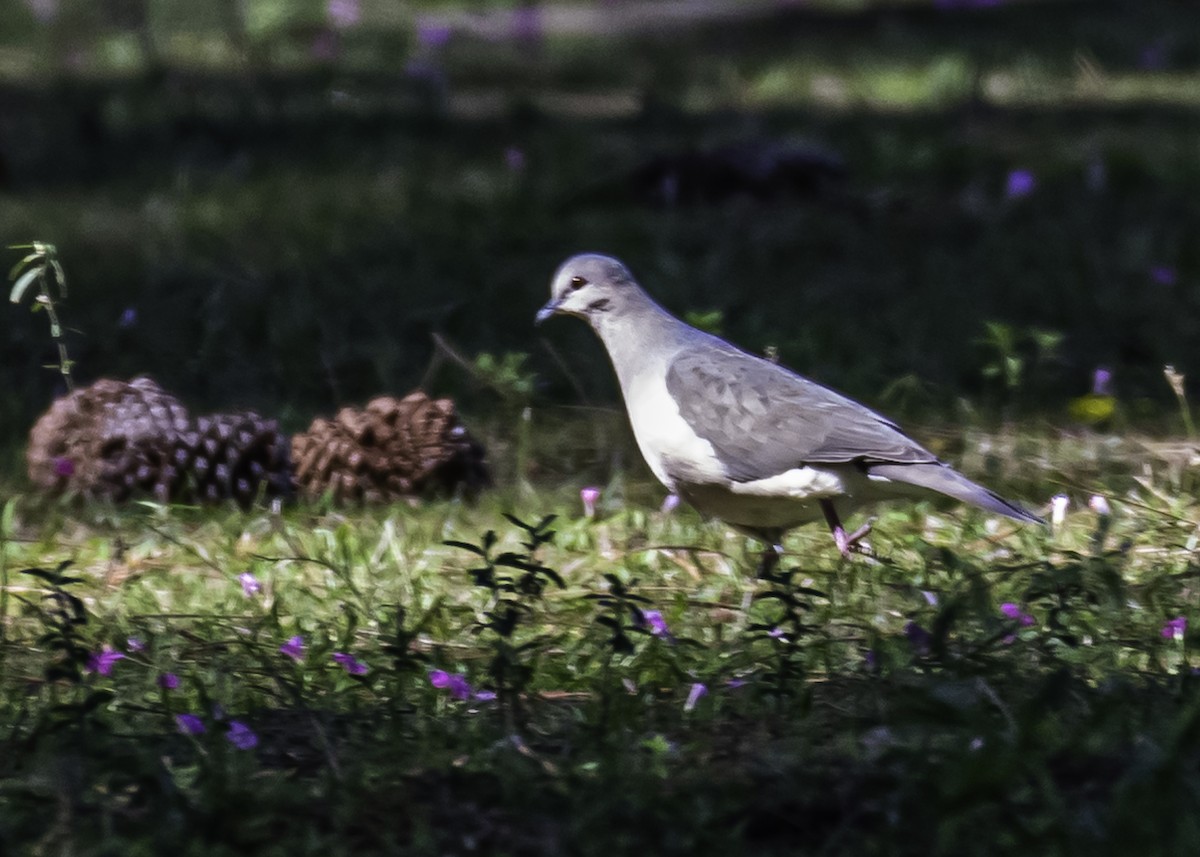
(277, 205)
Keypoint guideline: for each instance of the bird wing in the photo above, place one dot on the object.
(762, 419)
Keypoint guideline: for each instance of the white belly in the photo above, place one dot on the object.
(778, 502)
(675, 453)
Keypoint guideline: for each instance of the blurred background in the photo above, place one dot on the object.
(966, 211)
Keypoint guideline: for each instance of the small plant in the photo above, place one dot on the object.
(400, 639)
(514, 384)
(41, 266)
(7, 513)
(515, 581)
(622, 614)
(1012, 354)
(63, 617)
(1176, 382)
(786, 630)
(507, 375)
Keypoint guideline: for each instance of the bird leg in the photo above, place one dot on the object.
(769, 561)
(845, 543)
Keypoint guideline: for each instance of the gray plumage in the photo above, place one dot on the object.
(739, 437)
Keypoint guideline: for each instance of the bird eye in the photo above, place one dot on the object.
(578, 283)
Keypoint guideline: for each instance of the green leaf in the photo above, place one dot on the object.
(16, 269)
(95, 699)
(517, 522)
(467, 546)
(6, 518)
(18, 289)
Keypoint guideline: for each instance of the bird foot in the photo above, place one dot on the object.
(846, 544)
(852, 543)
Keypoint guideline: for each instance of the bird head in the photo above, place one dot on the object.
(587, 286)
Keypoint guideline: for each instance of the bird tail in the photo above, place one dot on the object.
(946, 480)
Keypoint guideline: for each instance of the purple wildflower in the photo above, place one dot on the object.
(344, 13)
(64, 467)
(325, 46)
(241, 736)
(350, 663)
(189, 724)
(250, 584)
(589, 496)
(168, 681)
(1099, 505)
(1164, 275)
(1020, 183)
(527, 23)
(514, 159)
(776, 633)
(1175, 628)
(433, 35)
(456, 683)
(101, 662)
(1013, 611)
(135, 644)
(930, 597)
(1153, 57)
(439, 678)
(654, 622)
(918, 637)
(128, 318)
(459, 687)
(670, 503)
(697, 691)
(485, 695)
(1102, 381)
(294, 648)
(735, 683)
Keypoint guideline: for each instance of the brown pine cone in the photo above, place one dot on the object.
(109, 439)
(391, 449)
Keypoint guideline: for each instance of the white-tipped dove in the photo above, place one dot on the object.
(739, 437)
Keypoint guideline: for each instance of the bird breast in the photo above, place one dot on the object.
(672, 449)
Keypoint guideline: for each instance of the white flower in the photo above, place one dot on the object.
(1058, 509)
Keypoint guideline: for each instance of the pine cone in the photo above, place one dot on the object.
(139, 443)
(239, 456)
(391, 449)
(110, 439)
(116, 440)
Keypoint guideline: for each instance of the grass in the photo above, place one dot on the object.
(876, 706)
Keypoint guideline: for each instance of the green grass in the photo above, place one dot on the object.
(853, 733)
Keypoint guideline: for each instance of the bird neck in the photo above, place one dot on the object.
(638, 335)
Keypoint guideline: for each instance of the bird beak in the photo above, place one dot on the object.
(548, 310)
